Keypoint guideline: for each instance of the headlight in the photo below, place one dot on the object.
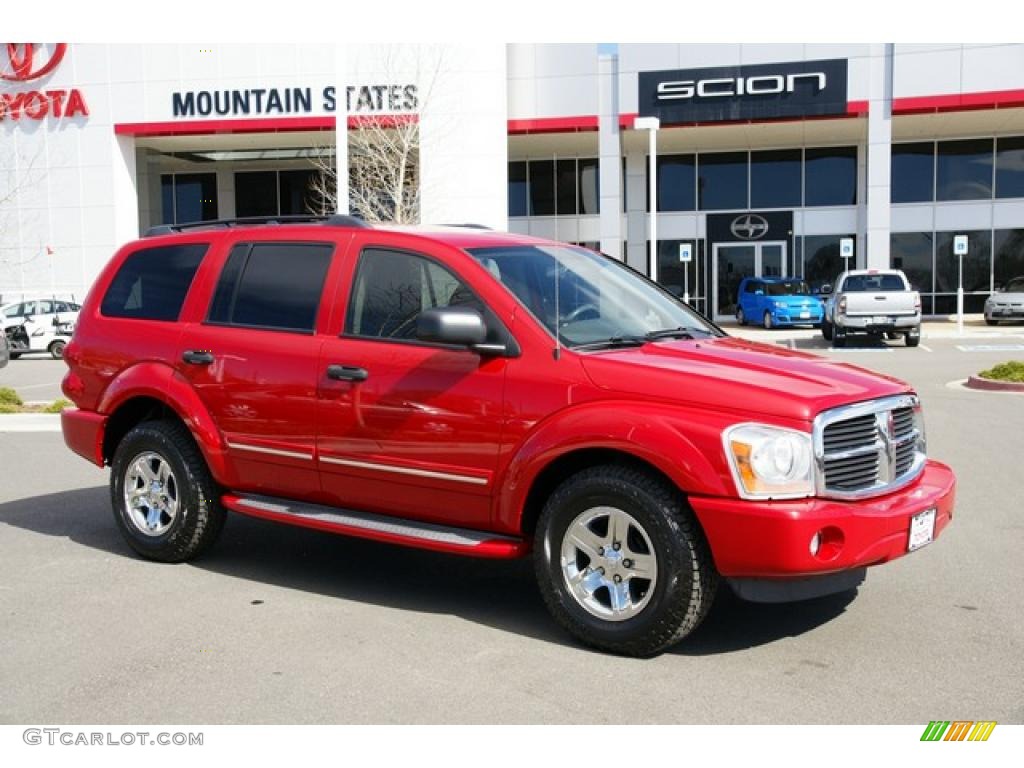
(770, 462)
(780, 304)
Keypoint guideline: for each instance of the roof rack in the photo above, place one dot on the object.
(468, 226)
(332, 220)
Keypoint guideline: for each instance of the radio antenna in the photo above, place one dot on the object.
(558, 315)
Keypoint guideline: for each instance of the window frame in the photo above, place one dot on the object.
(489, 314)
(250, 245)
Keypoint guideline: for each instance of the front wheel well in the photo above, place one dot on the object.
(127, 416)
(567, 465)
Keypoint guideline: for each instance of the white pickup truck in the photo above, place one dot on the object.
(872, 301)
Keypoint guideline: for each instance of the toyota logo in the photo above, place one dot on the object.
(749, 226)
(23, 64)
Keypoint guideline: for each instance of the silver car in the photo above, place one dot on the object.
(1007, 303)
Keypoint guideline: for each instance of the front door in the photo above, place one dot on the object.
(408, 428)
(733, 262)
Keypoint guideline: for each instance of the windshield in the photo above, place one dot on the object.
(597, 298)
(788, 288)
(1015, 286)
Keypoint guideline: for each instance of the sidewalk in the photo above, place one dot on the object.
(29, 422)
(936, 328)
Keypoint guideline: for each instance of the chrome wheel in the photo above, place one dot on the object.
(608, 563)
(151, 494)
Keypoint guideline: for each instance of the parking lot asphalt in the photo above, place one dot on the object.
(279, 624)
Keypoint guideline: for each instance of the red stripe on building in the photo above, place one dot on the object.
(258, 125)
(955, 102)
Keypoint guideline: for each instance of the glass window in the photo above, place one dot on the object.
(392, 289)
(775, 179)
(586, 298)
(542, 187)
(152, 283)
(870, 283)
(296, 192)
(1010, 167)
(830, 176)
(912, 253)
(1009, 255)
(272, 285)
(188, 197)
(589, 186)
(565, 186)
(677, 190)
(787, 288)
(977, 262)
(822, 262)
(964, 170)
(913, 173)
(256, 193)
(722, 181)
(675, 276)
(518, 190)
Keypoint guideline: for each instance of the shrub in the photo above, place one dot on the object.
(1011, 371)
(9, 397)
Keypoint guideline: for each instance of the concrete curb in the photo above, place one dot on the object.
(976, 382)
(30, 422)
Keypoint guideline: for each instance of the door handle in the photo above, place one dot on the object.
(347, 373)
(197, 357)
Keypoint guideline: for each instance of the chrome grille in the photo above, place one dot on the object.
(868, 448)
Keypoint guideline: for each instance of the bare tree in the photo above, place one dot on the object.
(15, 178)
(383, 150)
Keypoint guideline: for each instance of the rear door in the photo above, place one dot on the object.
(411, 428)
(253, 361)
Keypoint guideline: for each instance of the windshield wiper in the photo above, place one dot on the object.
(613, 342)
(674, 333)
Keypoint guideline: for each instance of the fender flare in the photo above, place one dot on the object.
(161, 382)
(683, 444)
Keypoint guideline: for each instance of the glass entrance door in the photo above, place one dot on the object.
(735, 261)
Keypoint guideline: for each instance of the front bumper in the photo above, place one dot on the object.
(771, 539)
(1004, 313)
(792, 317)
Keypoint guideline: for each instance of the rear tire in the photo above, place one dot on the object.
(838, 337)
(164, 498)
(598, 594)
(15, 355)
(913, 338)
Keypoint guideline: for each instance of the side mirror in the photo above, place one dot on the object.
(451, 325)
(826, 289)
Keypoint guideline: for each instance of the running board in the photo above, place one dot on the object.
(395, 530)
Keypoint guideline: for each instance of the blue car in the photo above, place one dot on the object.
(773, 301)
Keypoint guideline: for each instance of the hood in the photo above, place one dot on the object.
(730, 374)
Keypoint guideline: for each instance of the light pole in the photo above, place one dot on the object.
(652, 124)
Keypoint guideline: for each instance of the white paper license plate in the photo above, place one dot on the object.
(922, 529)
(805, 315)
(879, 320)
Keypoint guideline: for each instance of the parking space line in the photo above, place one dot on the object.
(926, 349)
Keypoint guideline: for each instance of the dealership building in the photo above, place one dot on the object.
(771, 159)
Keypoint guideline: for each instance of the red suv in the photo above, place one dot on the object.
(492, 395)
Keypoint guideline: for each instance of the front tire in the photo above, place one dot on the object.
(990, 321)
(621, 561)
(164, 498)
(56, 349)
(741, 318)
(768, 320)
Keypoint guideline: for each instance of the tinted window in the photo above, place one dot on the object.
(964, 170)
(788, 288)
(392, 289)
(590, 187)
(1010, 167)
(542, 187)
(272, 285)
(861, 283)
(565, 185)
(256, 193)
(518, 190)
(1009, 256)
(775, 179)
(830, 176)
(677, 190)
(913, 172)
(188, 197)
(296, 192)
(152, 283)
(911, 252)
(822, 260)
(722, 181)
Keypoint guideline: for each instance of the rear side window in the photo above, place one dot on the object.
(152, 283)
(272, 285)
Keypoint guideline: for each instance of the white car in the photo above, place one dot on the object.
(39, 311)
(1007, 303)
